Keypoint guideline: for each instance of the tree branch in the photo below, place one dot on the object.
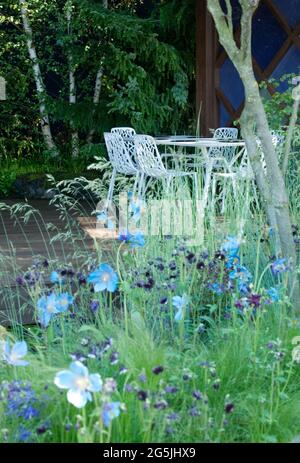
(248, 8)
(225, 32)
(229, 15)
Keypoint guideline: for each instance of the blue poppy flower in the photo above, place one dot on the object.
(217, 288)
(180, 302)
(55, 277)
(231, 246)
(110, 411)
(135, 240)
(13, 356)
(79, 383)
(232, 261)
(243, 287)
(125, 236)
(48, 306)
(64, 300)
(104, 277)
(241, 273)
(273, 294)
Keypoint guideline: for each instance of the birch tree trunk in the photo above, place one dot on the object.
(72, 83)
(97, 89)
(72, 101)
(275, 194)
(96, 99)
(40, 88)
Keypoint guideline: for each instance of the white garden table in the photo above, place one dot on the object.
(203, 157)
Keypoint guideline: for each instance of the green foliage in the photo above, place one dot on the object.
(278, 106)
(147, 71)
(6, 180)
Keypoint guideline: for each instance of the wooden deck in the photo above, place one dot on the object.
(22, 242)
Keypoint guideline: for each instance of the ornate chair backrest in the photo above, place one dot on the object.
(118, 154)
(125, 132)
(224, 133)
(148, 156)
(128, 134)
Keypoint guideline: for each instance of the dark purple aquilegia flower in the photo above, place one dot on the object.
(157, 370)
(254, 300)
(142, 395)
(229, 407)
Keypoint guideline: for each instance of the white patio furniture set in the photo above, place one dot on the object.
(137, 155)
(223, 157)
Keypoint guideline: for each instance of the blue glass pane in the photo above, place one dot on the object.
(231, 85)
(224, 116)
(267, 37)
(290, 10)
(290, 64)
(236, 11)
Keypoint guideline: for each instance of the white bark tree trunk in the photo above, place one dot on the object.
(40, 88)
(97, 89)
(72, 84)
(96, 99)
(72, 101)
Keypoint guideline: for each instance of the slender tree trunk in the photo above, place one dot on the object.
(72, 83)
(97, 89)
(247, 129)
(292, 125)
(45, 123)
(241, 58)
(72, 101)
(96, 100)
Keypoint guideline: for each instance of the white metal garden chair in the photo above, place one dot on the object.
(151, 165)
(121, 161)
(125, 132)
(236, 171)
(226, 153)
(231, 167)
(128, 134)
(221, 161)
